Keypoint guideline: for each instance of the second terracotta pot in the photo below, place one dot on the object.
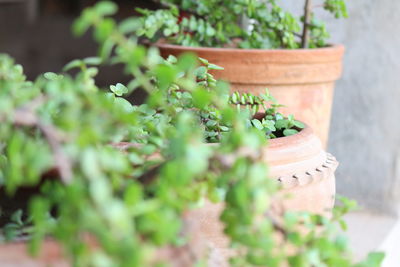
(301, 79)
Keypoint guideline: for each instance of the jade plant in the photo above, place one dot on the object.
(262, 112)
(238, 23)
(60, 135)
(269, 120)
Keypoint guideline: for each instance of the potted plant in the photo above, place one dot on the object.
(259, 45)
(105, 207)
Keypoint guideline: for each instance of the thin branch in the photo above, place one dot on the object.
(151, 175)
(54, 139)
(306, 23)
(26, 116)
(276, 224)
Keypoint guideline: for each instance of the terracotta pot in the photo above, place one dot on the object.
(301, 79)
(305, 171)
(307, 175)
(16, 255)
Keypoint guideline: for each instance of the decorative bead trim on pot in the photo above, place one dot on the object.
(314, 175)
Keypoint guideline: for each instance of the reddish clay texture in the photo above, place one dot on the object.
(16, 255)
(301, 79)
(305, 171)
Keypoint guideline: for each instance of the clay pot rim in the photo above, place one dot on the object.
(272, 143)
(327, 49)
(284, 140)
(292, 139)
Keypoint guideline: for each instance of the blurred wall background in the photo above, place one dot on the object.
(365, 132)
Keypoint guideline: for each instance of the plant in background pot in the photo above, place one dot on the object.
(98, 205)
(260, 45)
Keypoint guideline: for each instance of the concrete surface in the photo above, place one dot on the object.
(368, 231)
(390, 246)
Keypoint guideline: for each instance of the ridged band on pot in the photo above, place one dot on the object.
(305, 171)
(301, 79)
(314, 175)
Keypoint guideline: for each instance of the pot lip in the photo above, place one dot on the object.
(275, 142)
(292, 139)
(272, 143)
(327, 49)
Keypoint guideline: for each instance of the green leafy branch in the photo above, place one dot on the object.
(267, 24)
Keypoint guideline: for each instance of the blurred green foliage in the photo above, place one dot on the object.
(129, 201)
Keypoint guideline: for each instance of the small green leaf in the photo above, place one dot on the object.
(204, 61)
(104, 29)
(224, 128)
(211, 123)
(165, 76)
(281, 124)
(187, 61)
(256, 123)
(77, 63)
(82, 24)
(106, 49)
(343, 225)
(92, 61)
(201, 72)
(289, 132)
(167, 32)
(119, 89)
(201, 98)
(124, 104)
(172, 59)
(52, 76)
(234, 98)
(214, 67)
(374, 259)
(299, 124)
(17, 217)
(129, 25)
(106, 8)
